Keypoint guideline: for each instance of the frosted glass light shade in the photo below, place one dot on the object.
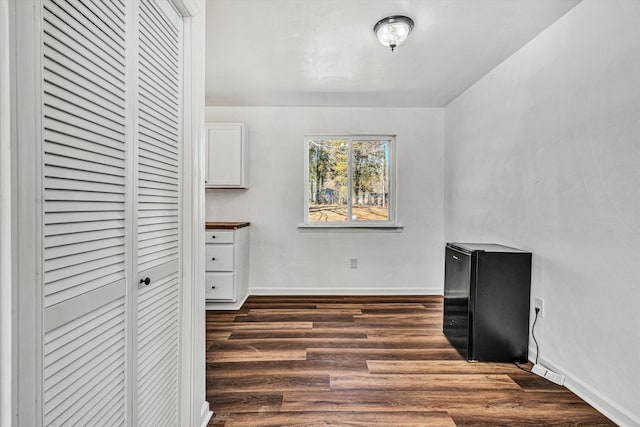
(392, 31)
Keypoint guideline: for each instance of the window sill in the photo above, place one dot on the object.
(390, 227)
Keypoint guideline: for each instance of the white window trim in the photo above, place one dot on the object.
(393, 193)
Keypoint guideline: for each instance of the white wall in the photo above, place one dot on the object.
(287, 260)
(543, 153)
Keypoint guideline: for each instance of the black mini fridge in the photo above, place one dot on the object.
(486, 301)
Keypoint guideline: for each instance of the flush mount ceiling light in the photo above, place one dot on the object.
(392, 31)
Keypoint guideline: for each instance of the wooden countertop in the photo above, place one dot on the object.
(225, 225)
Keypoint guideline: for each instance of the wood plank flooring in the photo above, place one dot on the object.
(366, 361)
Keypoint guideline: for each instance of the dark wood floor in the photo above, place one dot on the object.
(366, 361)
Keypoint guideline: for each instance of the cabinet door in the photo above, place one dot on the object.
(158, 212)
(226, 153)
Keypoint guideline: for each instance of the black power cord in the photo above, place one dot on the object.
(533, 333)
(537, 309)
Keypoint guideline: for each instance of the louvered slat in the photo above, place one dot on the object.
(63, 410)
(148, 103)
(66, 132)
(106, 411)
(170, 172)
(152, 339)
(157, 351)
(155, 101)
(60, 140)
(85, 257)
(87, 27)
(78, 96)
(82, 176)
(162, 29)
(76, 117)
(158, 186)
(157, 138)
(70, 355)
(107, 14)
(168, 129)
(80, 236)
(160, 222)
(82, 87)
(151, 229)
(84, 412)
(166, 30)
(158, 192)
(58, 233)
(110, 7)
(77, 48)
(59, 109)
(75, 218)
(154, 242)
(151, 90)
(79, 195)
(159, 233)
(92, 187)
(152, 177)
(160, 60)
(154, 159)
(85, 164)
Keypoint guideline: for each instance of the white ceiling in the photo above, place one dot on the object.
(324, 52)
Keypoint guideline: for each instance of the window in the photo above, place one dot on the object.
(350, 181)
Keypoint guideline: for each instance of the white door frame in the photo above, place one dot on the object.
(194, 409)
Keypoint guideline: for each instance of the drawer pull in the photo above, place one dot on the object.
(146, 281)
(213, 287)
(213, 259)
(213, 236)
(454, 257)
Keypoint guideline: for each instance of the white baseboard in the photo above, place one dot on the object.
(341, 290)
(593, 397)
(205, 414)
(225, 305)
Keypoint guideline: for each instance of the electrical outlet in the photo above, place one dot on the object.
(354, 262)
(539, 303)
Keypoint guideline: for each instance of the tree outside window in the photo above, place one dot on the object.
(349, 180)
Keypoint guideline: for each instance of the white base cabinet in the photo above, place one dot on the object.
(227, 265)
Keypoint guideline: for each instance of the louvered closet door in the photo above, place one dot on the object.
(84, 177)
(159, 103)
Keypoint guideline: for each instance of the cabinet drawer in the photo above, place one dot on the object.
(219, 258)
(220, 286)
(219, 236)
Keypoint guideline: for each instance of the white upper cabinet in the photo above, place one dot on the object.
(227, 165)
